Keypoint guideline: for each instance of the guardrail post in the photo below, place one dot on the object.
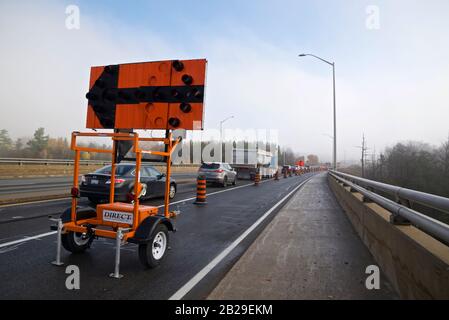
(398, 220)
(404, 202)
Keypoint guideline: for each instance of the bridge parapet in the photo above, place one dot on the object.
(411, 248)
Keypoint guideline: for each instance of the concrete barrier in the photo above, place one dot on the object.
(416, 264)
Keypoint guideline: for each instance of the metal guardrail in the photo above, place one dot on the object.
(27, 161)
(425, 223)
(400, 194)
(21, 161)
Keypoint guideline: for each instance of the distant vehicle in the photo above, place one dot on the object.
(218, 172)
(248, 162)
(95, 185)
(287, 169)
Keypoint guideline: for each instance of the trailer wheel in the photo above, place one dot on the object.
(152, 253)
(76, 242)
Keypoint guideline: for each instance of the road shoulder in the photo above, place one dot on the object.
(308, 251)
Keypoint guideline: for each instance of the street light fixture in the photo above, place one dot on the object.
(335, 107)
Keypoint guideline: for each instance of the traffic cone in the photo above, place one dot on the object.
(201, 191)
(257, 179)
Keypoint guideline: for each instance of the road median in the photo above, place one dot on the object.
(61, 193)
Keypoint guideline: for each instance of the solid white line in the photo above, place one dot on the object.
(53, 232)
(212, 193)
(27, 239)
(203, 272)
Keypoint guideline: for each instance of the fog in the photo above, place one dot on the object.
(391, 82)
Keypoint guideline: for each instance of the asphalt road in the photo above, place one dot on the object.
(203, 233)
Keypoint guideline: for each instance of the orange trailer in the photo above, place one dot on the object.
(152, 95)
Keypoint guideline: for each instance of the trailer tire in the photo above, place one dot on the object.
(154, 251)
(73, 242)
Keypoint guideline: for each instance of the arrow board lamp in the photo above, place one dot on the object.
(165, 95)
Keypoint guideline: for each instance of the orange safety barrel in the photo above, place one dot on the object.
(201, 190)
(257, 179)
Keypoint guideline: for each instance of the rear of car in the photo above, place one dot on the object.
(218, 172)
(96, 185)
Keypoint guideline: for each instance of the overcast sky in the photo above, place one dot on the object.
(392, 72)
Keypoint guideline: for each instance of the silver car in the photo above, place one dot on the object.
(218, 172)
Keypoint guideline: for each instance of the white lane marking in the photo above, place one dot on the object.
(32, 202)
(27, 239)
(203, 272)
(53, 232)
(212, 193)
(9, 249)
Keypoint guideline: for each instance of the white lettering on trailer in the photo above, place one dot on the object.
(118, 216)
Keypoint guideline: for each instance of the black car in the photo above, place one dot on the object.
(95, 186)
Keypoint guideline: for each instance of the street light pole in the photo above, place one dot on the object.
(334, 165)
(335, 118)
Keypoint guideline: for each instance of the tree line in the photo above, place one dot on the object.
(42, 146)
(414, 165)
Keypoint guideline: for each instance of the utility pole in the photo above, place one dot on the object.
(364, 149)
